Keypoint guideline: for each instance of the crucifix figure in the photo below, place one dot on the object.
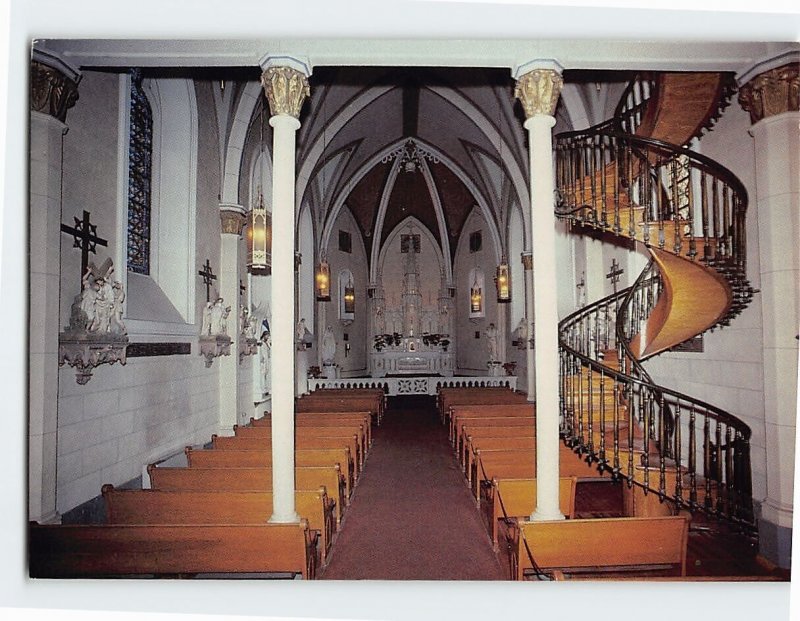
(614, 274)
(208, 278)
(85, 237)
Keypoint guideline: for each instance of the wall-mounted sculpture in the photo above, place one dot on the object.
(214, 339)
(96, 333)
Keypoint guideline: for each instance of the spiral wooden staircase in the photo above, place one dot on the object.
(632, 181)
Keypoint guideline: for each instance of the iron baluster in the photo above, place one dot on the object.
(718, 466)
(678, 454)
(690, 219)
(692, 457)
(729, 489)
(662, 447)
(706, 223)
(715, 211)
(603, 192)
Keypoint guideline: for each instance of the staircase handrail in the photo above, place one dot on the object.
(719, 413)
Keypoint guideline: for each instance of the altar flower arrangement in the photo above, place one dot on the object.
(386, 340)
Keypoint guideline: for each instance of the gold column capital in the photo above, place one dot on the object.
(232, 220)
(772, 92)
(286, 89)
(538, 91)
(52, 92)
(527, 261)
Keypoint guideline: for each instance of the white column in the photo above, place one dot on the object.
(527, 262)
(776, 131)
(53, 91)
(286, 88)
(538, 89)
(232, 218)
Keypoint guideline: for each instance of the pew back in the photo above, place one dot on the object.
(148, 506)
(245, 480)
(625, 544)
(87, 551)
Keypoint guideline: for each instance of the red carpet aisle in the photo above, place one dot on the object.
(412, 516)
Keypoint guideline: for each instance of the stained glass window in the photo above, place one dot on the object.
(140, 156)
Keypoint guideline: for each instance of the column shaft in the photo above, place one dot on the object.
(45, 232)
(229, 365)
(545, 330)
(527, 261)
(283, 320)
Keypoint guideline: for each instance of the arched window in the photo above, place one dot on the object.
(140, 177)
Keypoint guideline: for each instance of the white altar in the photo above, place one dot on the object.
(411, 304)
(411, 357)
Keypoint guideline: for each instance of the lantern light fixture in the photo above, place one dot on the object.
(349, 297)
(476, 297)
(503, 282)
(323, 282)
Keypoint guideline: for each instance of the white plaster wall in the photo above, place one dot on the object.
(355, 363)
(729, 373)
(472, 354)
(128, 416)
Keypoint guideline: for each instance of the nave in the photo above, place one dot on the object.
(411, 515)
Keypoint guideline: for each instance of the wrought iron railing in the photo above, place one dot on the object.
(665, 196)
(685, 450)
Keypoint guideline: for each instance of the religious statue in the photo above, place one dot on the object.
(98, 308)
(96, 333)
(215, 318)
(444, 319)
(380, 323)
(117, 326)
(264, 359)
(247, 323)
(491, 335)
(328, 346)
(521, 334)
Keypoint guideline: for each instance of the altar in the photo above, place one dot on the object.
(411, 361)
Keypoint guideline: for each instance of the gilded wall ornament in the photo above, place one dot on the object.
(51, 92)
(772, 92)
(538, 91)
(286, 89)
(527, 261)
(232, 221)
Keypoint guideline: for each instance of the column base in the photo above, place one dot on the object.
(53, 517)
(543, 516)
(775, 543)
(288, 519)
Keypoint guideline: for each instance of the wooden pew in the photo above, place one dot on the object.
(472, 444)
(607, 544)
(447, 397)
(149, 506)
(475, 412)
(521, 464)
(377, 395)
(103, 550)
(322, 430)
(516, 498)
(306, 478)
(525, 424)
(226, 443)
(358, 421)
(255, 458)
(327, 401)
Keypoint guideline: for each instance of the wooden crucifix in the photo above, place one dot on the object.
(84, 235)
(208, 278)
(614, 274)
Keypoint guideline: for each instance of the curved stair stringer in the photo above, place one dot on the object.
(683, 105)
(694, 300)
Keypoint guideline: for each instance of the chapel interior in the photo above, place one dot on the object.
(405, 317)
